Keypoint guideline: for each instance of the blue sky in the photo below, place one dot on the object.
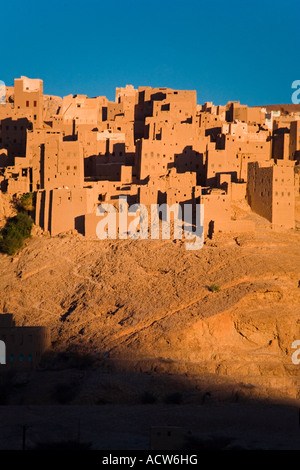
(226, 50)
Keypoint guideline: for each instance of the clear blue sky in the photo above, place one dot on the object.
(226, 50)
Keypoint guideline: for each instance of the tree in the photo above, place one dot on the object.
(15, 232)
(26, 202)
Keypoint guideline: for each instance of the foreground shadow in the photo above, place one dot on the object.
(116, 404)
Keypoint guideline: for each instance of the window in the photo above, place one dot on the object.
(35, 104)
(11, 358)
(27, 104)
(21, 357)
(29, 357)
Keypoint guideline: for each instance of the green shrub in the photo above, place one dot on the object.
(214, 288)
(15, 232)
(26, 202)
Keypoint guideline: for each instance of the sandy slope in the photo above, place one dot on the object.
(148, 302)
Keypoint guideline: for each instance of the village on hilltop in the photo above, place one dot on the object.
(152, 145)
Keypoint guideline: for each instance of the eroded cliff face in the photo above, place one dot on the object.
(148, 304)
(6, 208)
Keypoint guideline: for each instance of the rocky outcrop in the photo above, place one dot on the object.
(149, 304)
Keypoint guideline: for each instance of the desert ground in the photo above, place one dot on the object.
(137, 323)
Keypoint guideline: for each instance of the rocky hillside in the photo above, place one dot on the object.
(231, 309)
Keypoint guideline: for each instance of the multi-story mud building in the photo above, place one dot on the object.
(152, 145)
